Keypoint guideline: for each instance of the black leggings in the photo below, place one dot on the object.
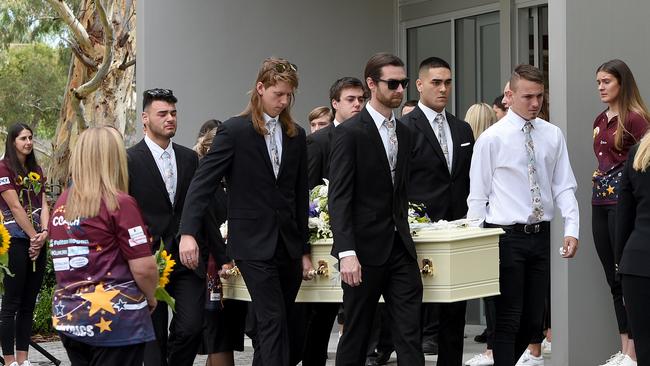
(636, 290)
(603, 219)
(19, 299)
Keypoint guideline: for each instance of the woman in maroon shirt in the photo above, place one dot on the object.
(23, 205)
(616, 129)
(101, 251)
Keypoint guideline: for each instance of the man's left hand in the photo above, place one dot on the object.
(570, 247)
(307, 267)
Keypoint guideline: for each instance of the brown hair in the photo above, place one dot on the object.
(629, 99)
(320, 112)
(526, 72)
(270, 74)
(375, 64)
(204, 142)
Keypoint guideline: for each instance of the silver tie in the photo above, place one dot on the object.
(168, 174)
(271, 126)
(535, 193)
(392, 147)
(442, 137)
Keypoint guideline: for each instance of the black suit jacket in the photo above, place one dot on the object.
(443, 194)
(633, 220)
(365, 206)
(261, 208)
(146, 185)
(318, 153)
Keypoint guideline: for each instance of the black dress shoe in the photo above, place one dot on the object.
(430, 347)
(481, 338)
(382, 358)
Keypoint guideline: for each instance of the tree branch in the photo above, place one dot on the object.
(74, 46)
(78, 30)
(126, 65)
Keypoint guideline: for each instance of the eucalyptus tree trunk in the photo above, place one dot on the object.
(100, 89)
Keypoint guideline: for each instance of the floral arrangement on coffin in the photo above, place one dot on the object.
(165, 267)
(4, 255)
(319, 218)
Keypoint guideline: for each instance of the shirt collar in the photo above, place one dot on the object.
(377, 117)
(156, 150)
(430, 113)
(517, 120)
(335, 122)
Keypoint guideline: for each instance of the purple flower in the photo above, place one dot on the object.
(313, 209)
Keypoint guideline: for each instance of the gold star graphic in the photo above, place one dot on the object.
(99, 248)
(69, 317)
(610, 190)
(55, 321)
(104, 325)
(100, 299)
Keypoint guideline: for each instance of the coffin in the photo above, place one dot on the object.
(456, 264)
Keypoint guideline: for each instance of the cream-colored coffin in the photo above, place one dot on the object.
(456, 264)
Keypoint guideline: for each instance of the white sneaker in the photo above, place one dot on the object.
(627, 361)
(546, 346)
(527, 359)
(26, 363)
(480, 360)
(14, 364)
(614, 360)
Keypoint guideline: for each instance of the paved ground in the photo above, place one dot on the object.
(246, 357)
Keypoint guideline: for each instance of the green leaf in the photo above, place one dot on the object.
(162, 295)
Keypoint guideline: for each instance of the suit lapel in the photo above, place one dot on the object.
(402, 154)
(151, 165)
(285, 146)
(260, 142)
(181, 170)
(373, 133)
(455, 140)
(422, 124)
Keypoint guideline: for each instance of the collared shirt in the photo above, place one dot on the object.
(335, 122)
(278, 137)
(431, 117)
(378, 118)
(157, 153)
(499, 187)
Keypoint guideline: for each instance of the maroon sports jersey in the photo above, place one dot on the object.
(96, 300)
(28, 198)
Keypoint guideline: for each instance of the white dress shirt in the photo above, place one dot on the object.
(499, 175)
(278, 137)
(431, 117)
(335, 122)
(378, 118)
(157, 153)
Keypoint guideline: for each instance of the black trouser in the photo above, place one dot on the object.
(19, 299)
(636, 291)
(524, 261)
(451, 333)
(400, 282)
(273, 285)
(539, 336)
(490, 319)
(381, 335)
(430, 322)
(82, 354)
(319, 318)
(603, 227)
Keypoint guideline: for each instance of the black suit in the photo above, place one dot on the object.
(633, 252)
(369, 215)
(162, 217)
(444, 196)
(267, 222)
(318, 152)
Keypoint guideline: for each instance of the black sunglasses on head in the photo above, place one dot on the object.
(159, 93)
(393, 84)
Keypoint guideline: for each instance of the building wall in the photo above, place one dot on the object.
(417, 9)
(582, 35)
(209, 51)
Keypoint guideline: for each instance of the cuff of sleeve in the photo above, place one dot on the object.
(347, 253)
(571, 230)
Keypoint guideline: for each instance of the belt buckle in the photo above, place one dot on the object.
(532, 228)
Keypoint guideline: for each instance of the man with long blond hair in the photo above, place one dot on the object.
(263, 156)
(160, 172)
(105, 273)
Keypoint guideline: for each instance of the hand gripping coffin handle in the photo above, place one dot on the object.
(234, 271)
(427, 267)
(322, 270)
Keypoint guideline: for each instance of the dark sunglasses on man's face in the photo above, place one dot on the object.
(393, 84)
(282, 67)
(159, 93)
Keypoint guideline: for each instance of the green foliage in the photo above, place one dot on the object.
(43, 310)
(32, 83)
(27, 21)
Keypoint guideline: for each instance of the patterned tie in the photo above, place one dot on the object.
(392, 147)
(271, 126)
(536, 195)
(442, 137)
(168, 174)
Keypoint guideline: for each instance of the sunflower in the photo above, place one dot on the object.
(167, 270)
(34, 177)
(4, 239)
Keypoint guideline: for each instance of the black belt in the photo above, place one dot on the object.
(537, 228)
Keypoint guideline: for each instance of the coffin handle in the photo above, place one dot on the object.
(233, 272)
(427, 267)
(322, 270)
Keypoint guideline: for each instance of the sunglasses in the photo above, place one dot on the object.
(284, 67)
(394, 84)
(159, 93)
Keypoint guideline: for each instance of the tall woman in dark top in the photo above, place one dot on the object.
(633, 246)
(616, 129)
(101, 252)
(24, 207)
